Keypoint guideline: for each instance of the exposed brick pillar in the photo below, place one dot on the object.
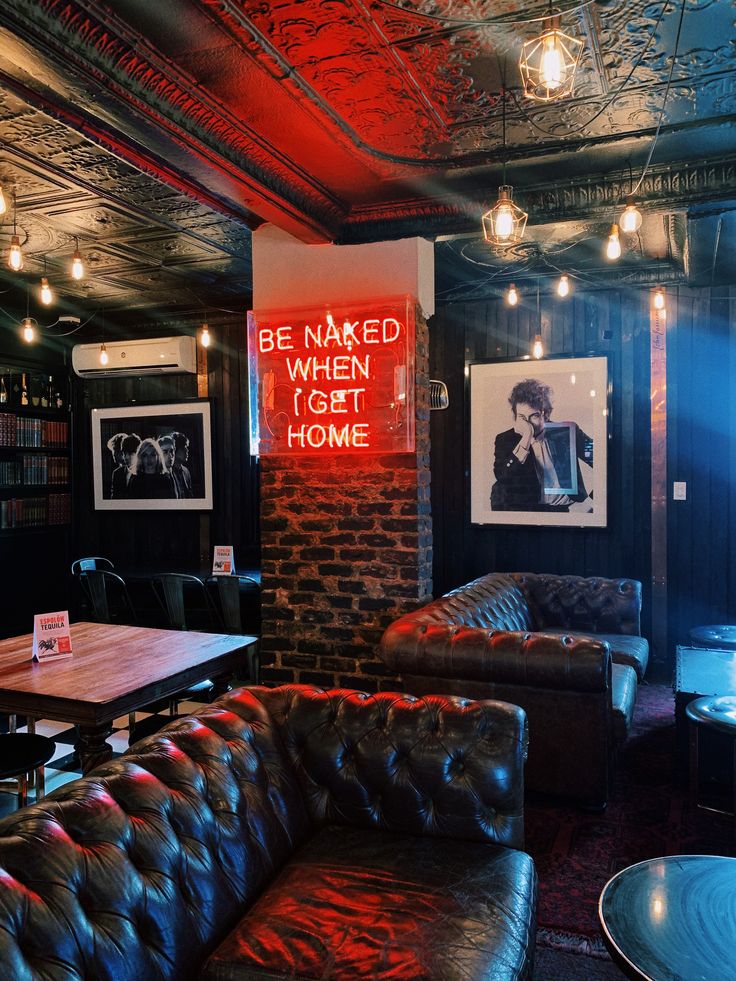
(346, 547)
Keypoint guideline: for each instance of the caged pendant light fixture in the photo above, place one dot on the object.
(505, 222)
(548, 62)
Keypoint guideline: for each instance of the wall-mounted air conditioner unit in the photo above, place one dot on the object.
(143, 356)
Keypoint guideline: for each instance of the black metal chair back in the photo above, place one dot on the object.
(108, 595)
(185, 601)
(228, 590)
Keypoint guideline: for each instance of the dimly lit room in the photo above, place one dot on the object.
(368, 600)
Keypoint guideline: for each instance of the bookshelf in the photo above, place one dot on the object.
(35, 439)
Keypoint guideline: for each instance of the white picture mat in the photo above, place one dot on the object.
(579, 394)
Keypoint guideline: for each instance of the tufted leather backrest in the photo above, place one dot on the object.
(493, 601)
(434, 765)
(138, 870)
(603, 606)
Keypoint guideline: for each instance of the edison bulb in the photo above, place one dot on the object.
(563, 286)
(512, 296)
(47, 296)
(659, 298)
(204, 339)
(77, 265)
(15, 256)
(537, 347)
(552, 69)
(504, 223)
(29, 334)
(613, 247)
(3, 203)
(630, 220)
(103, 355)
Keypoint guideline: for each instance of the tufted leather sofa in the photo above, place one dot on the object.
(287, 833)
(565, 648)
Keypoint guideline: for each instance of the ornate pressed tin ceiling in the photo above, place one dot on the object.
(161, 133)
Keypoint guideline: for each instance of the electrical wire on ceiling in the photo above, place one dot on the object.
(57, 323)
(664, 100)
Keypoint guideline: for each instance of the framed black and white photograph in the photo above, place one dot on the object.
(152, 457)
(538, 442)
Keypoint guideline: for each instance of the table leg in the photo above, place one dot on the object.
(91, 745)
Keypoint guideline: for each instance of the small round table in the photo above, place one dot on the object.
(721, 636)
(716, 713)
(672, 919)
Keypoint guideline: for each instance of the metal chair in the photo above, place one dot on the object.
(22, 754)
(228, 593)
(187, 606)
(185, 601)
(108, 595)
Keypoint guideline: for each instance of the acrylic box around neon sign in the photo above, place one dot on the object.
(334, 380)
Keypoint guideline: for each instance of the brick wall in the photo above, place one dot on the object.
(346, 547)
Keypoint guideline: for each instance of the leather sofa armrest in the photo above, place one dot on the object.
(595, 604)
(438, 765)
(496, 656)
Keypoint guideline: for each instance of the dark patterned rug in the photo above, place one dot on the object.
(648, 815)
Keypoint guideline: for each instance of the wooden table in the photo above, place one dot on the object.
(673, 918)
(114, 670)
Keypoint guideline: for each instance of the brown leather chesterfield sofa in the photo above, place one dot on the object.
(565, 648)
(287, 833)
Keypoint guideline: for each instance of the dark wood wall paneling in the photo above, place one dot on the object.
(701, 356)
(611, 323)
(174, 539)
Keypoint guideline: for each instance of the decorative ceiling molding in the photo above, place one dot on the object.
(670, 187)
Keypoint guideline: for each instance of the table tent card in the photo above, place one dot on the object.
(52, 637)
(223, 562)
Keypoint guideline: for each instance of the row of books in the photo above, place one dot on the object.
(36, 512)
(27, 431)
(29, 470)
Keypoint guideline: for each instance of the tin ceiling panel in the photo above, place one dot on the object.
(349, 121)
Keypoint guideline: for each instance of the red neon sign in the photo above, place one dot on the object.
(336, 380)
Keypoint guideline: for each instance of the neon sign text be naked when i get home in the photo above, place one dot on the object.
(337, 380)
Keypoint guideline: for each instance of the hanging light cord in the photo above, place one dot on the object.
(664, 100)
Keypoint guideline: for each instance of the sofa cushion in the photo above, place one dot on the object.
(633, 651)
(623, 699)
(352, 905)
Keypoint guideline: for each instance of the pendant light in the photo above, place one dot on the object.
(28, 331)
(204, 337)
(104, 358)
(630, 220)
(613, 244)
(537, 346)
(77, 262)
(658, 299)
(548, 62)
(505, 222)
(563, 286)
(15, 256)
(46, 294)
(512, 296)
